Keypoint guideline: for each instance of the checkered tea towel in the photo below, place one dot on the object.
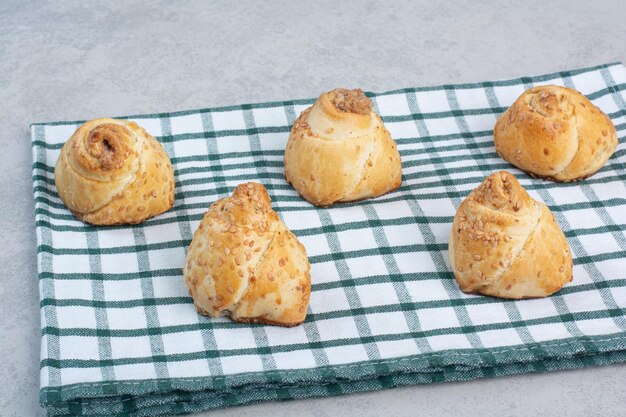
(120, 335)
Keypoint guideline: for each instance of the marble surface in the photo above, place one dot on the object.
(84, 59)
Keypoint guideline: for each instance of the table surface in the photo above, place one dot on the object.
(76, 60)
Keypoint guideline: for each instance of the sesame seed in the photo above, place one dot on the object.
(230, 289)
(477, 257)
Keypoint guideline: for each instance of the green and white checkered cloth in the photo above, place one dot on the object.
(120, 335)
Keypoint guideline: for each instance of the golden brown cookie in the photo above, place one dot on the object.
(339, 151)
(243, 262)
(505, 244)
(114, 172)
(555, 133)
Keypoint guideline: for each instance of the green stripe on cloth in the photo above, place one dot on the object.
(120, 335)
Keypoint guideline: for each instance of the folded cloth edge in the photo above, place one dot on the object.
(426, 362)
(179, 403)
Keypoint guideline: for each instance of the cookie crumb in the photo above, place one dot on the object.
(351, 101)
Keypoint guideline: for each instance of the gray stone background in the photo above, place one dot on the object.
(82, 59)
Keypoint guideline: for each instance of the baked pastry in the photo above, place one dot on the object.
(339, 150)
(555, 133)
(114, 172)
(505, 244)
(245, 263)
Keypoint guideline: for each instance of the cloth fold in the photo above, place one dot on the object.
(120, 335)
